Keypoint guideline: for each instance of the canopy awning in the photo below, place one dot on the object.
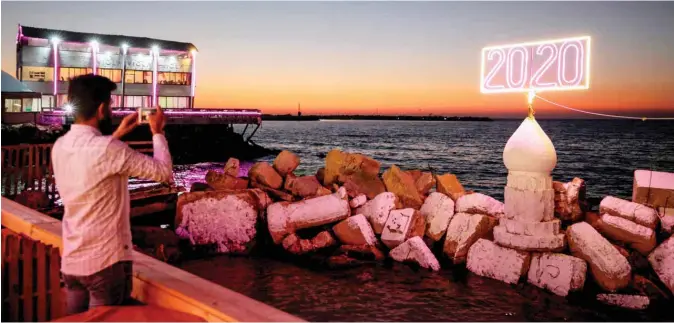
(13, 87)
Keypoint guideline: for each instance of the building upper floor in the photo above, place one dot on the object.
(48, 58)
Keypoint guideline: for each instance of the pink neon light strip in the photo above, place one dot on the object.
(56, 75)
(94, 50)
(154, 78)
(194, 73)
(168, 112)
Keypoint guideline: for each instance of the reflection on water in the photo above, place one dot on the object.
(400, 293)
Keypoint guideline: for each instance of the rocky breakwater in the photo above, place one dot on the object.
(547, 235)
(353, 212)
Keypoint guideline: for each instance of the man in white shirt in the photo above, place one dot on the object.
(92, 172)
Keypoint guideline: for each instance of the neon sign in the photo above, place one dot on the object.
(549, 65)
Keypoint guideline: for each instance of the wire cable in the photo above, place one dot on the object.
(602, 114)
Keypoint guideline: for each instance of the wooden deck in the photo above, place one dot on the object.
(155, 282)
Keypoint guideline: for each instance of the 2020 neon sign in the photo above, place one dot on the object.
(549, 65)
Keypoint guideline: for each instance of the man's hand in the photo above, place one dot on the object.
(127, 125)
(157, 121)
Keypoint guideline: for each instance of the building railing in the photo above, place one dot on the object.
(28, 167)
(154, 282)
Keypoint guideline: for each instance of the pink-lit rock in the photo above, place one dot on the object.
(655, 189)
(226, 220)
(531, 228)
(355, 230)
(266, 175)
(424, 183)
(662, 262)
(570, 201)
(633, 302)
(438, 209)
(556, 272)
(232, 167)
(529, 205)
(415, 250)
(402, 185)
(487, 259)
(637, 237)
(358, 201)
(284, 218)
(478, 203)
(634, 212)
(666, 216)
(610, 269)
(402, 225)
(305, 186)
(449, 185)
(286, 162)
(529, 181)
(298, 246)
(377, 210)
(545, 243)
(463, 231)
(222, 181)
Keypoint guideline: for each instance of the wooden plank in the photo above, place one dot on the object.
(161, 284)
(41, 254)
(27, 255)
(13, 277)
(202, 295)
(56, 306)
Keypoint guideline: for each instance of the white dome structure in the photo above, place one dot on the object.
(529, 149)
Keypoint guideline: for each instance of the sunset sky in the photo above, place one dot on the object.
(386, 57)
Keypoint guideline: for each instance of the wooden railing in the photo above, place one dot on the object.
(155, 282)
(28, 167)
(30, 280)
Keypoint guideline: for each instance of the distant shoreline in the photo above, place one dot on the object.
(288, 117)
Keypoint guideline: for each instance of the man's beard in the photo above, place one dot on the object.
(105, 125)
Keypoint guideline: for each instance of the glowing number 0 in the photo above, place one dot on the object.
(523, 67)
(578, 71)
(499, 63)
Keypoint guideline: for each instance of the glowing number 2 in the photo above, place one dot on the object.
(499, 63)
(536, 78)
(578, 71)
(523, 67)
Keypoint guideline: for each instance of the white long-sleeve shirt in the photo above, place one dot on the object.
(92, 173)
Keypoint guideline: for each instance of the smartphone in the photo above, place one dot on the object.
(144, 113)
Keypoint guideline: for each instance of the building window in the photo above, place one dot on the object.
(138, 77)
(173, 102)
(61, 100)
(114, 75)
(48, 101)
(37, 74)
(137, 101)
(69, 73)
(174, 78)
(31, 105)
(116, 101)
(12, 105)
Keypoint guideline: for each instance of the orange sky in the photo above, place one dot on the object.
(386, 57)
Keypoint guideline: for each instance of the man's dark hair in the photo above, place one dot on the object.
(87, 92)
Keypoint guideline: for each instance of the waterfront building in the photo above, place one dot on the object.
(147, 71)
